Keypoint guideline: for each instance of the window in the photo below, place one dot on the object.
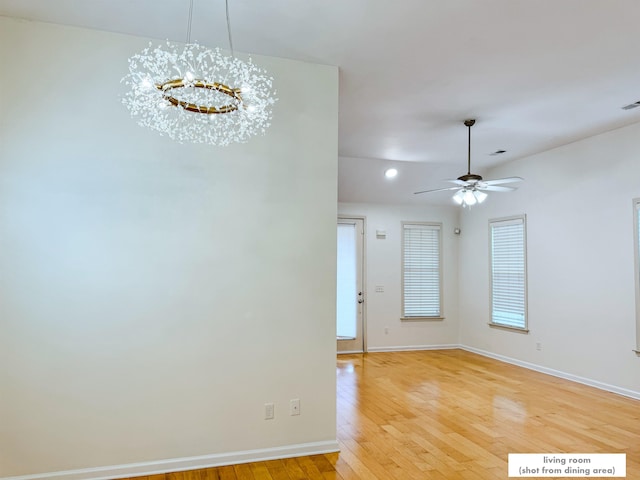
(636, 234)
(421, 271)
(508, 272)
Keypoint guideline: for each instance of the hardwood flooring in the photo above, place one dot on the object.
(450, 415)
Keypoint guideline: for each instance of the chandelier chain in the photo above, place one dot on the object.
(189, 23)
(226, 2)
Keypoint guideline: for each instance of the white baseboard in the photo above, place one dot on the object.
(410, 348)
(189, 463)
(556, 373)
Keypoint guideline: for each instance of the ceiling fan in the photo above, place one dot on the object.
(470, 187)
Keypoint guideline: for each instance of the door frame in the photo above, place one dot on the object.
(344, 216)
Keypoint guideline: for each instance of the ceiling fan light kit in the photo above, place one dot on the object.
(469, 197)
(470, 187)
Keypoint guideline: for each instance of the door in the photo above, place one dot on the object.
(350, 292)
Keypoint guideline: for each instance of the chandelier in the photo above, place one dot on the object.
(198, 95)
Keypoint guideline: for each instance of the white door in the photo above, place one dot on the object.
(350, 293)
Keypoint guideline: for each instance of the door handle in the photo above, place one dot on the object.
(360, 298)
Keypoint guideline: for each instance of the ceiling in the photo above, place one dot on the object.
(535, 74)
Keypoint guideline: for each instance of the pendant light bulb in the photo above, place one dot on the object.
(480, 196)
(469, 198)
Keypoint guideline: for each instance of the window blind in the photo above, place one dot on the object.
(421, 271)
(508, 273)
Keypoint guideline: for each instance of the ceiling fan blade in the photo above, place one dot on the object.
(500, 181)
(496, 188)
(437, 190)
(457, 181)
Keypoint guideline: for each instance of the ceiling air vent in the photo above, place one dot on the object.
(497, 152)
(631, 105)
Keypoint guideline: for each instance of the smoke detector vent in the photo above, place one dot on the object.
(631, 105)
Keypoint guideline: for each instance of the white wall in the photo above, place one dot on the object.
(153, 296)
(384, 268)
(578, 202)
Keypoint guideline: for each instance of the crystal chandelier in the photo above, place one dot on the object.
(193, 94)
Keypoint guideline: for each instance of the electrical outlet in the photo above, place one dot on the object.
(379, 288)
(269, 411)
(538, 346)
(294, 406)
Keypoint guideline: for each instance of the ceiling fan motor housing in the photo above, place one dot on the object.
(470, 177)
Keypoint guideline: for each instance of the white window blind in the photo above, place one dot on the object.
(421, 274)
(508, 272)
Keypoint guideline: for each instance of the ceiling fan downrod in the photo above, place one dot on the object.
(469, 176)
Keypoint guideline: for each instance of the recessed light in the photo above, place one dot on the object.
(390, 172)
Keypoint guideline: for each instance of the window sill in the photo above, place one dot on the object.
(506, 327)
(420, 319)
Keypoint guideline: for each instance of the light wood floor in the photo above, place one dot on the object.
(451, 415)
